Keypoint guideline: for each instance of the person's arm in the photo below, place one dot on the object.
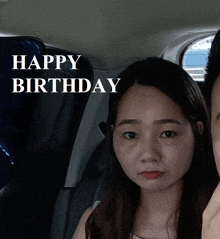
(80, 232)
(211, 217)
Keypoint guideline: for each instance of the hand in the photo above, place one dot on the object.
(211, 217)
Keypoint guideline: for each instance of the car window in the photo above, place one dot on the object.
(195, 58)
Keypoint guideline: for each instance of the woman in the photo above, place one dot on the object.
(162, 172)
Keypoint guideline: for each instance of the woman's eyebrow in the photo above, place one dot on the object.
(128, 121)
(166, 121)
(160, 121)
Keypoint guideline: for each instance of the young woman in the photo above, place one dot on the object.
(162, 172)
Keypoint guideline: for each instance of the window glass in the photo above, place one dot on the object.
(196, 56)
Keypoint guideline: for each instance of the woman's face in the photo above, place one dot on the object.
(152, 139)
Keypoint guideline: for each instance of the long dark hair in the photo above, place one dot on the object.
(114, 217)
(213, 67)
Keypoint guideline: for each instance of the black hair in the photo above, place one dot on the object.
(213, 67)
(115, 215)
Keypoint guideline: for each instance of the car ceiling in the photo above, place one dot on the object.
(110, 33)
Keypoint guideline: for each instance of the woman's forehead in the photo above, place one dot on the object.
(146, 102)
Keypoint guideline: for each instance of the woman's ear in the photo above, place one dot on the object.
(200, 127)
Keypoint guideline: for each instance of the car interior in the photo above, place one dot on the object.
(52, 154)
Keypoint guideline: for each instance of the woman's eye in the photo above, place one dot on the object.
(168, 134)
(129, 135)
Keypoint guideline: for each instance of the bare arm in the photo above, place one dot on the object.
(211, 217)
(80, 232)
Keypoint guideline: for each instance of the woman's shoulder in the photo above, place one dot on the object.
(95, 204)
(80, 230)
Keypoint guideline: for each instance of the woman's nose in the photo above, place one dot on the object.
(150, 150)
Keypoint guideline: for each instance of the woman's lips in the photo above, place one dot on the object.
(152, 174)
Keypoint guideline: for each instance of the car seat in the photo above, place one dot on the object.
(38, 131)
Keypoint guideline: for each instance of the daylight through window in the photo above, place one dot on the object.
(196, 56)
